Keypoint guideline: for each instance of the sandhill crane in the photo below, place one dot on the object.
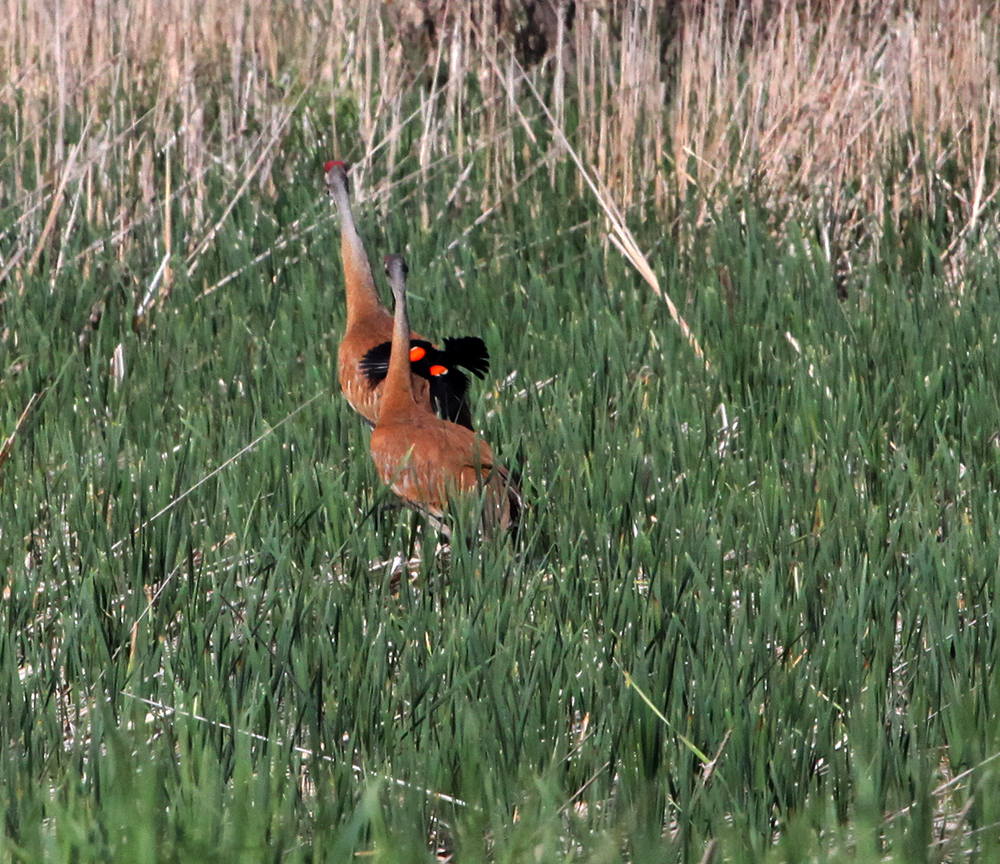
(369, 324)
(428, 461)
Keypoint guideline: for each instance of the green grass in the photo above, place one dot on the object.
(753, 604)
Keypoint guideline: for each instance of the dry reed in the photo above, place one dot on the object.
(849, 113)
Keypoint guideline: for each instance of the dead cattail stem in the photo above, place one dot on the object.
(168, 242)
(620, 234)
(279, 126)
(843, 113)
(19, 428)
(829, 97)
(57, 198)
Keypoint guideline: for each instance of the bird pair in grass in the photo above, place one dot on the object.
(413, 392)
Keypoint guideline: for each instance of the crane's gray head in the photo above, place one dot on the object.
(396, 270)
(336, 175)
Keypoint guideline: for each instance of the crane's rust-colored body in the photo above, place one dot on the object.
(426, 460)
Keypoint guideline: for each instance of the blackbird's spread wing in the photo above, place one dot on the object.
(448, 385)
(469, 352)
(466, 351)
(375, 364)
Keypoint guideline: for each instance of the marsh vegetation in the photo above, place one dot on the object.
(736, 265)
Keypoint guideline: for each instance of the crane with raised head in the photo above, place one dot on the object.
(369, 325)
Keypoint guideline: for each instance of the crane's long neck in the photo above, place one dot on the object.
(362, 295)
(397, 394)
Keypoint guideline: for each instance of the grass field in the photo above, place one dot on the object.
(752, 611)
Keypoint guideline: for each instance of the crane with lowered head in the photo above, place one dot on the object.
(430, 462)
